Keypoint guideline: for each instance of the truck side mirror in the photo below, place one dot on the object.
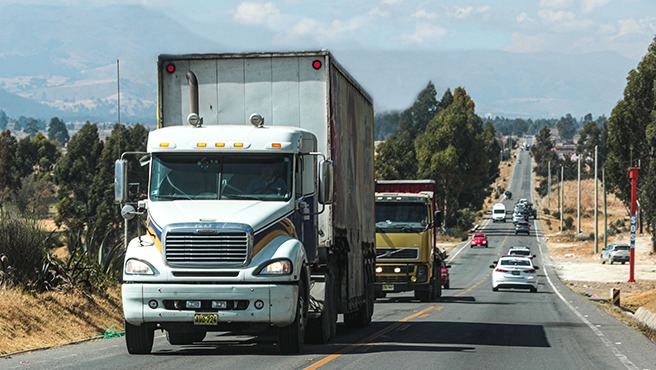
(121, 181)
(326, 171)
(438, 218)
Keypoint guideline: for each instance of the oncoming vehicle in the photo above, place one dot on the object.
(514, 272)
(615, 253)
(478, 239)
(499, 212)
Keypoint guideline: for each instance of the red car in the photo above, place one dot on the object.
(446, 279)
(478, 239)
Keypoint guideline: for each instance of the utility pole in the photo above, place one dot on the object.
(562, 196)
(603, 189)
(596, 213)
(549, 184)
(633, 175)
(578, 199)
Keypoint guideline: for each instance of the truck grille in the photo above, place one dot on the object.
(206, 247)
(397, 254)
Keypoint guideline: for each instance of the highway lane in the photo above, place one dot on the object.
(469, 327)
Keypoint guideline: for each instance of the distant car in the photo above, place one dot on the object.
(514, 272)
(446, 278)
(519, 216)
(478, 239)
(522, 227)
(520, 251)
(615, 253)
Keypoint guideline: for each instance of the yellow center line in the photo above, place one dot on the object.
(367, 340)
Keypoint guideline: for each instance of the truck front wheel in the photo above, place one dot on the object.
(139, 339)
(292, 336)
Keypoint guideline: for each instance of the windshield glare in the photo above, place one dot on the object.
(212, 177)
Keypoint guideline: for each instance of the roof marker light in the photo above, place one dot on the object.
(276, 145)
(239, 145)
(219, 145)
(164, 145)
(201, 145)
(170, 68)
(316, 64)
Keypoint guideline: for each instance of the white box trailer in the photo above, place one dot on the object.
(302, 111)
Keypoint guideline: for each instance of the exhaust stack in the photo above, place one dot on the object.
(194, 117)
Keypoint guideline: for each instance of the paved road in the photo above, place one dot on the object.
(469, 327)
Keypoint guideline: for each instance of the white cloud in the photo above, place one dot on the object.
(466, 12)
(628, 27)
(255, 13)
(423, 14)
(524, 18)
(551, 16)
(391, 2)
(424, 34)
(589, 5)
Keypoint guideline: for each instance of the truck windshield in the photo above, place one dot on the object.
(401, 216)
(212, 177)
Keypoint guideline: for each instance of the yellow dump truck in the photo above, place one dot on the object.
(407, 258)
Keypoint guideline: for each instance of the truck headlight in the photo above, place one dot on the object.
(138, 267)
(277, 267)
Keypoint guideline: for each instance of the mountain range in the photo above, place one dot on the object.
(71, 61)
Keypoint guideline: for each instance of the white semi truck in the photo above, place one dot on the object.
(260, 202)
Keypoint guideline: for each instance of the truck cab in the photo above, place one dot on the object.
(407, 258)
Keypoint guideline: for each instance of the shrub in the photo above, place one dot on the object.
(23, 245)
(546, 211)
(568, 223)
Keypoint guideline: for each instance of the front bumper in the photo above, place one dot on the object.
(278, 308)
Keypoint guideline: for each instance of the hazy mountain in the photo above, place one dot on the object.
(62, 60)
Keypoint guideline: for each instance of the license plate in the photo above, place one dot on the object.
(515, 272)
(206, 319)
(388, 287)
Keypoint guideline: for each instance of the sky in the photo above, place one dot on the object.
(573, 27)
(568, 26)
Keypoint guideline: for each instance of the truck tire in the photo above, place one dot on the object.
(362, 317)
(292, 336)
(178, 338)
(323, 329)
(139, 339)
(447, 284)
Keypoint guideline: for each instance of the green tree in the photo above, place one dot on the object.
(452, 151)
(122, 139)
(74, 175)
(632, 138)
(8, 180)
(396, 157)
(543, 152)
(58, 132)
(566, 127)
(32, 127)
(4, 120)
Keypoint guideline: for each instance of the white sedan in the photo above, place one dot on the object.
(514, 272)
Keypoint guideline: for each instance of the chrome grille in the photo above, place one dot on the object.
(396, 254)
(206, 247)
